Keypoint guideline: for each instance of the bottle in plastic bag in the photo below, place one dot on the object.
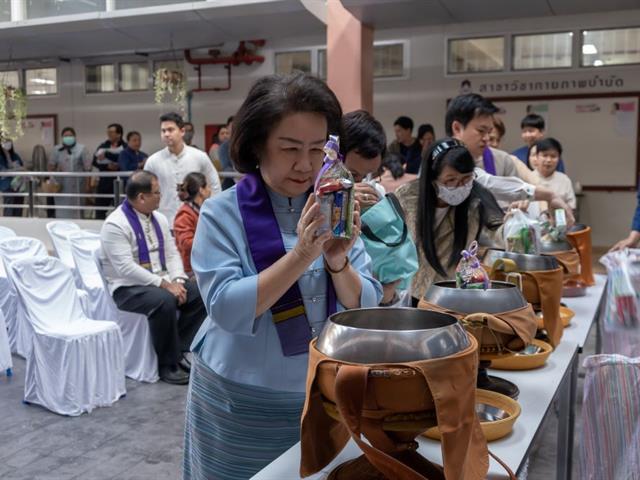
(334, 192)
(469, 271)
(521, 234)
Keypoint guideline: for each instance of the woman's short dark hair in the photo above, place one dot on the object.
(269, 100)
(424, 129)
(447, 152)
(117, 127)
(68, 129)
(191, 185)
(360, 132)
(139, 182)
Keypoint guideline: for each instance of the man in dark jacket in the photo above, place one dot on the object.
(106, 160)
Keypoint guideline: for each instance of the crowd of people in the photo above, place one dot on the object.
(235, 278)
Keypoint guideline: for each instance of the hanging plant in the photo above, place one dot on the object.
(13, 110)
(170, 86)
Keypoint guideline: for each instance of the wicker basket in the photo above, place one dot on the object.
(492, 430)
(525, 362)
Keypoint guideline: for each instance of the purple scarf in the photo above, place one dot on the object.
(489, 163)
(143, 249)
(267, 247)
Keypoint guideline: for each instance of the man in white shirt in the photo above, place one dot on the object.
(469, 119)
(173, 163)
(145, 275)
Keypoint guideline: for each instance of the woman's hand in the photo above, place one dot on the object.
(309, 246)
(630, 242)
(337, 249)
(366, 195)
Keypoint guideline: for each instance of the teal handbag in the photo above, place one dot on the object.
(387, 241)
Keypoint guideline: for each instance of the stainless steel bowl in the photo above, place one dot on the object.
(499, 297)
(391, 335)
(550, 246)
(530, 349)
(525, 262)
(489, 413)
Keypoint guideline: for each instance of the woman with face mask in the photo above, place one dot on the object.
(69, 156)
(446, 209)
(10, 160)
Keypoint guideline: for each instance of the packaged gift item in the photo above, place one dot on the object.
(521, 234)
(469, 272)
(554, 232)
(334, 192)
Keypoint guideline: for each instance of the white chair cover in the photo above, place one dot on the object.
(5, 352)
(59, 232)
(76, 363)
(141, 361)
(18, 328)
(6, 232)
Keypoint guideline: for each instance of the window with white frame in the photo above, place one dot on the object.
(134, 76)
(288, 62)
(5, 10)
(41, 81)
(99, 78)
(54, 8)
(540, 51)
(10, 78)
(469, 55)
(388, 60)
(617, 46)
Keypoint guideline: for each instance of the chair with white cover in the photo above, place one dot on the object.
(5, 351)
(19, 330)
(76, 363)
(6, 232)
(59, 231)
(141, 361)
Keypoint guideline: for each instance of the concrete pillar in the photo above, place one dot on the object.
(349, 58)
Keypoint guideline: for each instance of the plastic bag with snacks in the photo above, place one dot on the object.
(521, 234)
(334, 192)
(469, 272)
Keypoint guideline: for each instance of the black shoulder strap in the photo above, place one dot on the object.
(367, 232)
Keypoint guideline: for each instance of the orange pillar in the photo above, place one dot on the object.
(349, 58)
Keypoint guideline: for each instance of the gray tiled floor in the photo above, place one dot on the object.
(140, 437)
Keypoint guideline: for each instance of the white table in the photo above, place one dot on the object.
(538, 389)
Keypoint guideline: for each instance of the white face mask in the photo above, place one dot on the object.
(7, 145)
(456, 195)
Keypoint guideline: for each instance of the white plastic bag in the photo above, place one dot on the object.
(521, 233)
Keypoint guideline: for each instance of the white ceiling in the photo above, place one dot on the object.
(148, 30)
(207, 23)
(406, 13)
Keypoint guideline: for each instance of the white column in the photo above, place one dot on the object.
(110, 5)
(18, 10)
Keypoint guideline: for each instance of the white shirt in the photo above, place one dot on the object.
(119, 252)
(559, 183)
(171, 170)
(506, 189)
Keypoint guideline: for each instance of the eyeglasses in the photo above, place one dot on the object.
(461, 182)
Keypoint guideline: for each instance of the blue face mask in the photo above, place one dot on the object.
(69, 141)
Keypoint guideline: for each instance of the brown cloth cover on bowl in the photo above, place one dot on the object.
(569, 260)
(543, 290)
(581, 241)
(512, 330)
(449, 382)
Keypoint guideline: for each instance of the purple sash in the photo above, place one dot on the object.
(489, 163)
(267, 247)
(143, 249)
